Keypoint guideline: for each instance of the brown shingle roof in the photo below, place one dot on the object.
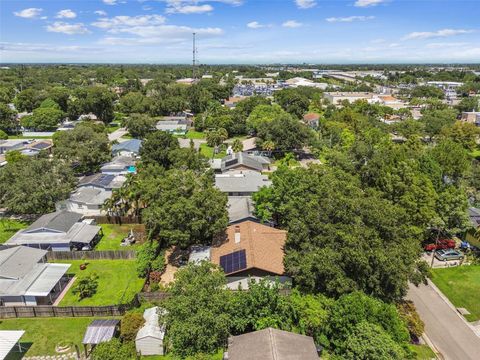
(263, 246)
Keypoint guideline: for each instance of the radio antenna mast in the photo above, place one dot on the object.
(194, 60)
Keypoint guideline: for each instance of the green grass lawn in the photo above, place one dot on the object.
(208, 152)
(113, 235)
(462, 287)
(423, 352)
(192, 134)
(117, 282)
(112, 128)
(44, 334)
(9, 227)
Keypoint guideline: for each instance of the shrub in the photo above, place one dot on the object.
(86, 287)
(145, 255)
(114, 350)
(130, 324)
(3, 135)
(155, 277)
(158, 265)
(409, 314)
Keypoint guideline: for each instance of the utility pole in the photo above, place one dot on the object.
(194, 61)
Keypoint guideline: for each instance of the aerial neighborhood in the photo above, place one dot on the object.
(239, 209)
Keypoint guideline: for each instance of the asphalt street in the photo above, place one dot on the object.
(451, 336)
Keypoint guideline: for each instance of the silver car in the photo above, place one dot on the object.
(449, 254)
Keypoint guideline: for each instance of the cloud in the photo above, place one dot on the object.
(117, 22)
(446, 44)
(349, 18)
(292, 24)
(30, 13)
(367, 3)
(66, 28)
(305, 4)
(189, 9)
(67, 14)
(256, 25)
(419, 35)
(110, 2)
(101, 13)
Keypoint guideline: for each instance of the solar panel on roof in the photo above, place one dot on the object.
(41, 146)
(105, 179)
(231, 162)
(234, 261)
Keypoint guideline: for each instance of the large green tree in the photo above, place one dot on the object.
(157, 147)
(85, 148)
(33, 186)
(140, 125)
(198, 310)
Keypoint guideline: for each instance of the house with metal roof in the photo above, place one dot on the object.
(271, 344)
(241, 161)
(129, 147)
(241, 183)
(27, 279)
(120, 165)
(149, 339)
(57, 231)
(250, 251)
(176, 127)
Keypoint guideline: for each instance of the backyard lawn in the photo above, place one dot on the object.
(43, 334)
(9, 227)
(192, 134)
(208, 152)
(117, 282)
(113, 235)
(462, 287)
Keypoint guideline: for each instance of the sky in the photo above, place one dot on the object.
(240, 31)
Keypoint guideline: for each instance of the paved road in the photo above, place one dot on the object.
(117, 134)
(452, 337)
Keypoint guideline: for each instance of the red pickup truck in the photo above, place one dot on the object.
(440, 245)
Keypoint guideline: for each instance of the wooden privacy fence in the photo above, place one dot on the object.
(91, 255)
(7, 312)
(152, 296)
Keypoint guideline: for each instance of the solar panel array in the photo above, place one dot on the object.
(41, 146)
(231, 162)
(104, 180)
(234, 261)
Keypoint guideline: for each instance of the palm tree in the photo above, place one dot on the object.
(237, 145)
(268, 146)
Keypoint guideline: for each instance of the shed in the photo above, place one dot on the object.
(149, 340)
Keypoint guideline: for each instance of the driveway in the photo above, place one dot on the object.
(445, 328)
(117, 134)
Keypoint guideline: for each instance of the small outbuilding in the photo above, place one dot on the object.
(100, 331)
(9, 340)
(149, 340)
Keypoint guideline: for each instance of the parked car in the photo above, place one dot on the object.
(441, 245)
(444, 255)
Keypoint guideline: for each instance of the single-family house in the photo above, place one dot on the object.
(472, 117)
(312, 120)
(250, 250)
(57, 231)
(175, 127)
(12, 144)
(129, 147)
(120, 165)
(473, 234)
(241, 161)
(91, 193)
(271, 344)
(27, 279)
(149, 339)
(240, 208)
(241, 183)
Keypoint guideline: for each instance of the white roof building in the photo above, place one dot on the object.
(8, 340)
(149, 340)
